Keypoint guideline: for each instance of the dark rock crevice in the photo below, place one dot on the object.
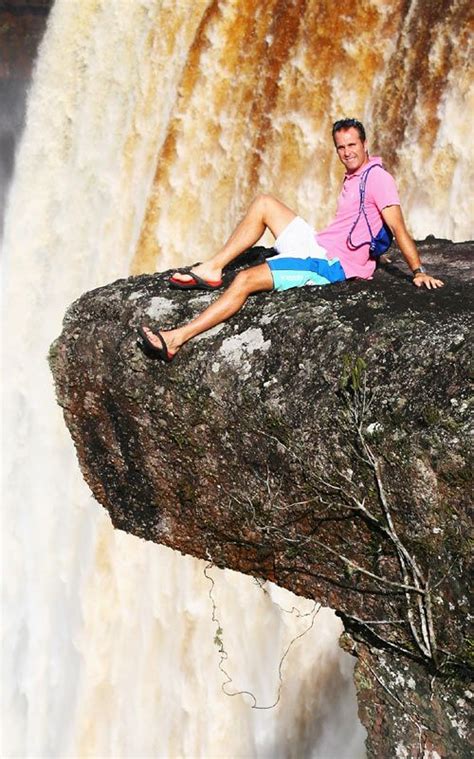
(319, 439)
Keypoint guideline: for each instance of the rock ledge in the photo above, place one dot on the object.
(319, 440)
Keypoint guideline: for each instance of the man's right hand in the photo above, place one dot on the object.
(424, 280)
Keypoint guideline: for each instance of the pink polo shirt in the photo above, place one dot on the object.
(380, 191)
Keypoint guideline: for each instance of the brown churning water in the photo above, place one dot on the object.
(262, 83)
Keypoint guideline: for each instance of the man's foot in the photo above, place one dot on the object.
(197, 277)
(155, 344)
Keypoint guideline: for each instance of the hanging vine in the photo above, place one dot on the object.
(218, 640)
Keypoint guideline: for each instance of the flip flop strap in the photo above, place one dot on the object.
(162, 341)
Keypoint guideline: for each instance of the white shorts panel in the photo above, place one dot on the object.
(298, 240)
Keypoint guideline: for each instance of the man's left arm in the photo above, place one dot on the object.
(393, 216)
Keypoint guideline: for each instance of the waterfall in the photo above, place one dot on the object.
(150, 126)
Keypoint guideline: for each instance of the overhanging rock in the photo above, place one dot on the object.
(319, 439)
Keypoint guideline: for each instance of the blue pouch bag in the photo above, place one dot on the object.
(381, 242)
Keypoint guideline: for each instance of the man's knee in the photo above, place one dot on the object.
(253, 279)
(264, 201)
(243, 280)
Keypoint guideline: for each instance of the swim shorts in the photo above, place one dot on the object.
(300, 260)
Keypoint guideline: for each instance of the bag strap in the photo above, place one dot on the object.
(362, 184)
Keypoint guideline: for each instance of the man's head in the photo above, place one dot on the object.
(351, 144)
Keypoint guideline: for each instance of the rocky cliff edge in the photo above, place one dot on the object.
(319, 439)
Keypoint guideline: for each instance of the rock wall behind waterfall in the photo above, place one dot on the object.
(22, 25)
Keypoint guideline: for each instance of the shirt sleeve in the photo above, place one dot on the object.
(381, 189)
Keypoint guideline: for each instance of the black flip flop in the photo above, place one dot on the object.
(197, 282)
(152, 350)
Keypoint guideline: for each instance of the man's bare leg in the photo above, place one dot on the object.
(252, 280)
(264, 211)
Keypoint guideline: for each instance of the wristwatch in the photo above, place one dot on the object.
(419, 270)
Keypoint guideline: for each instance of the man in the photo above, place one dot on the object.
(339, 252)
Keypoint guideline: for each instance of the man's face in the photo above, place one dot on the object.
(351, 150)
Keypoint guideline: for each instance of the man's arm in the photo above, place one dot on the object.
(393, 216)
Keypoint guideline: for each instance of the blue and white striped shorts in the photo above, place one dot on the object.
(300, 260)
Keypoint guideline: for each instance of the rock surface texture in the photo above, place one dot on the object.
(319, 439)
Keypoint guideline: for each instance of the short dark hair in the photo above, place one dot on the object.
(347, 124)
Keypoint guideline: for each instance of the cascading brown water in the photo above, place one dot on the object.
(151, 125)
(256, 99)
